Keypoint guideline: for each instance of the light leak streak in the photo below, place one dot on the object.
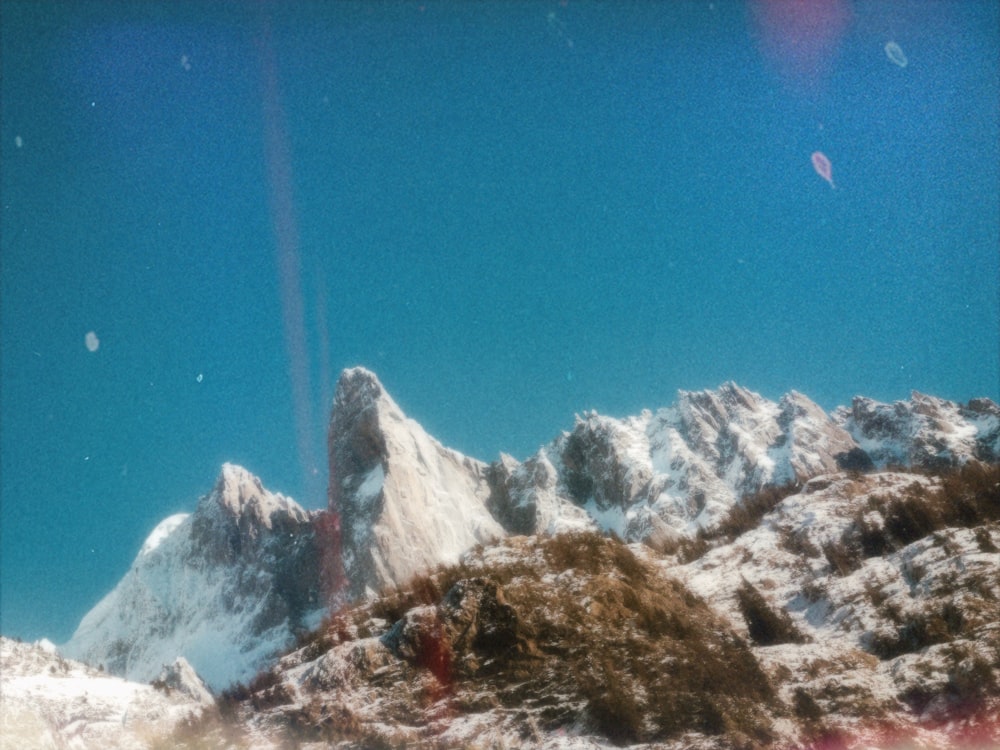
(286, 233)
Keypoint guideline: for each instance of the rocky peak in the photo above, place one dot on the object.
(526, 498)
(356, 438)
(730, 427)
(226, 587)
(244, 498)
(811, 443)
(606, 461)
(239, 517)
(729, 403)
(403, 501)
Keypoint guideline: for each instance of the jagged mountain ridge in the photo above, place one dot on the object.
(657, 475)
(228, 586)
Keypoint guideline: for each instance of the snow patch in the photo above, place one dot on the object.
(163, 529)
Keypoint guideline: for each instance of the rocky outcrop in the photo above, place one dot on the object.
(181, 678)
(925, 431)
(472, 625)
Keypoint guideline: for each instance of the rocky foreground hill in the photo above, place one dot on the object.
(725, 572)
(861, 611)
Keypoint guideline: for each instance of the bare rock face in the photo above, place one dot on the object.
(226, 587)
(405, 502)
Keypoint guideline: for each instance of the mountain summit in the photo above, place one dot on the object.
(405, 501)
(225, 587)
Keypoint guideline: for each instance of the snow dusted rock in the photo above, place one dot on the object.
(405, 502)
(817, 445)
(181, 677)
(655, 476)
(985, 416)
(225, 587)
(658, 475)
(47, 701)
(882, 621)
(525, 498)
(924, 431)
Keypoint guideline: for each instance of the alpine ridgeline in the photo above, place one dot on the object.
(229, 586)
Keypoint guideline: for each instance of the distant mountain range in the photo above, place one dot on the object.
(820, 551)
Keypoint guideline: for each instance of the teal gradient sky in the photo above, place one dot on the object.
(510, 211)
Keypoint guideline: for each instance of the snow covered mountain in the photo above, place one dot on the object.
(658, 475)
(225, 587)
(229, 586)
(852, 599)
(924, 431)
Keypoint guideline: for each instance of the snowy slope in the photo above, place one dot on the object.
(50, 702)
(225, 587)
(912, 632)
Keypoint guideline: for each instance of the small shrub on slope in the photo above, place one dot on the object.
(971, 495)
(746, 514)
(767, 626)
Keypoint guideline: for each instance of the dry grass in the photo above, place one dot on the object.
(592, 635)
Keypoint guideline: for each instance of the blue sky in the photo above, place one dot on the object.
(510, 211)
